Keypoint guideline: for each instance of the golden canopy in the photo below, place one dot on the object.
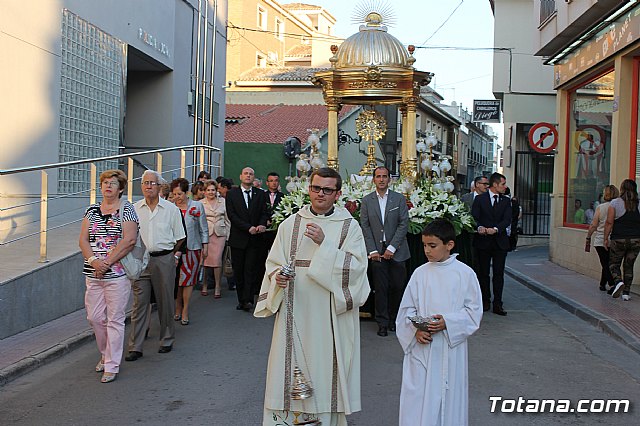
(372, 67)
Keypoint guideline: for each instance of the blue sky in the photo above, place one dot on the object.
(461, 75)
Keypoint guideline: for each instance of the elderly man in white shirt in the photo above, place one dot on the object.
(162, 232)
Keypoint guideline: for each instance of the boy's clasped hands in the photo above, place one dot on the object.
(424, 337)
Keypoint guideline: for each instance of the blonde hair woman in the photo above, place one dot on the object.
(219, 225)
(596, 229)
(106, 236)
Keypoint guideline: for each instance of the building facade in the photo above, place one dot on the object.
(265, 34)
(86, 79)
(594, 47)
(475, 147)
(524, 84)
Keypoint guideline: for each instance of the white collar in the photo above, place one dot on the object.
(382, 196)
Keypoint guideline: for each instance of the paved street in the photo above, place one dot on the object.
(215, 374)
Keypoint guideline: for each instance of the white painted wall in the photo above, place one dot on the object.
(513, 28)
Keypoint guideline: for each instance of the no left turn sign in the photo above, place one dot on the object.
(543, 137)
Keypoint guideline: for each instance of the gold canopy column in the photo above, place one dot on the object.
(403, 137)
(332, 148)
(409, 141)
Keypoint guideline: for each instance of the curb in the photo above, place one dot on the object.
(596, 319)
(35, 361)
(56, 351)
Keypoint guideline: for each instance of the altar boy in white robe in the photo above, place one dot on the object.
(316, 327)
(435, 372)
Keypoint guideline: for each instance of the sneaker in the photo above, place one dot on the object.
(626, 297)
(617, 290)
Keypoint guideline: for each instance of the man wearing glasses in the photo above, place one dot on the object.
(162, 232)
(315, 300)
(480, 185)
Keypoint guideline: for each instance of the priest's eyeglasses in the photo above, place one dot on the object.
(325, 190)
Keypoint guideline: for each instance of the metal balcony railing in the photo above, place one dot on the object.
(547, 8)
(204, 162)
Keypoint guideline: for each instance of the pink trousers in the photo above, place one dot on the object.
(106, 301)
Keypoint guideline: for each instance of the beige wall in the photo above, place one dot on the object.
(244, 45)
(526, 72)
(570, 19)
(523, 82)
(265, 96)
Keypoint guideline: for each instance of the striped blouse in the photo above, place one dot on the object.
(105, 231)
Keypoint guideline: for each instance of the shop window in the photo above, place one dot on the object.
(588, 148)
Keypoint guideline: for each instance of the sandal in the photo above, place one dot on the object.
(217, 296)
(177, 317)
(204, 293)
(100, 366)
(184, 322)
(108, 377)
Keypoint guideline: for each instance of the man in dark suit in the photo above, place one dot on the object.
(247, 211)
(492, 212)
(274, 196)
(480, 185)
(384, 219)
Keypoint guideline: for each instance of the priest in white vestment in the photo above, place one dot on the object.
(317, 325)
(435, 371)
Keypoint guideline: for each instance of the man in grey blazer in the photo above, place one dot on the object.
(384, 218)
(480, 185)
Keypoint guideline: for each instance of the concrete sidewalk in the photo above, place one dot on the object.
(577, 293)
(530, 266)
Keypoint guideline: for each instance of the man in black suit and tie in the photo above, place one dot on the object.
(274, 196)
(247, 211)
(384, 219)
(492, 212)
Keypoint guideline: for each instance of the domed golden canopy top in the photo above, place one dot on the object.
(372, 46)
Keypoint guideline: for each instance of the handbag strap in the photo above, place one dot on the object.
(121, 217)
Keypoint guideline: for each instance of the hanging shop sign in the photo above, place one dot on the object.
(487, 111)
(617, 35)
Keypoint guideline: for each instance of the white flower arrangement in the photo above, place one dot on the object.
(424, 202)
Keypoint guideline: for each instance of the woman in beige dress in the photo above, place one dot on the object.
(219, 225)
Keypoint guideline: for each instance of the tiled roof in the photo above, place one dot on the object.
(301, 6)
(280, 74)
(275, 123)
(300, 50)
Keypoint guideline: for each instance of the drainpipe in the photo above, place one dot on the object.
(197, 85)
